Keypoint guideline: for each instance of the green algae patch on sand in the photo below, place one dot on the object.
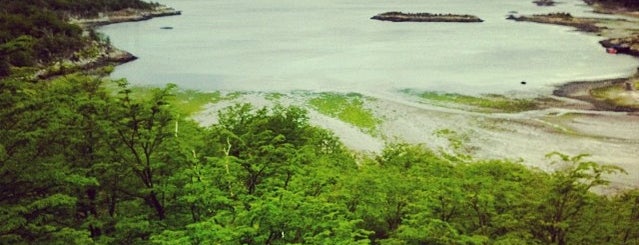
(274, 96)
(617, 95)
(484, 103)
(188, 102)
(348, 108)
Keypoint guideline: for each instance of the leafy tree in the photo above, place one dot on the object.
(142, 129)
(627, 209)
(568, 196)
(82, 163)
(38, 186)
(260, 185)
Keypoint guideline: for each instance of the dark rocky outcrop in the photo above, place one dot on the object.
(425, 17)
(627, 45)
(107, 55)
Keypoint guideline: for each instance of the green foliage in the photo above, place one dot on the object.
(348, 108)
(569, 195)
(40, 178)
(5, 67)
(37, 32)
(83, 164)
(189, 102)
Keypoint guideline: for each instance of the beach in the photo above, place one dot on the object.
(567, 119)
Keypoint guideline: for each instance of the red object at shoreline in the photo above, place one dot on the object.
(611, 50)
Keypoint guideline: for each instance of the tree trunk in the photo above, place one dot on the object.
(91, 195)
(153, 201)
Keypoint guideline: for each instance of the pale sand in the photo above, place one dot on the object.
(610, 137)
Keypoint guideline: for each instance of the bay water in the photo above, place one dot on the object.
(333, 45)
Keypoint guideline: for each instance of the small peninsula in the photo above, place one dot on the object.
(425, 17)
(621, 39)
(126, 15)
(564, 19)
(43, 39)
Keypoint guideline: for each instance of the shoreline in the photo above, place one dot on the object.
(107, 53)
(126, 15)
(620, 37)
(581, 90)
(605, 134)
(578, 90)
(527, 136)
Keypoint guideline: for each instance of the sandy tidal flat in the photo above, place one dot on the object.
(610, 137)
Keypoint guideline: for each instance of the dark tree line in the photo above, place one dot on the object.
(632, 4)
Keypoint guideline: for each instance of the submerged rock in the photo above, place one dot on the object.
(425, 17)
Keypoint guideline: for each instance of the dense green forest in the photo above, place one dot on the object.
(84, 161)
(36, 32)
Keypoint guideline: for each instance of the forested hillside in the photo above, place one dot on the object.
(36, 32)
(85, 162)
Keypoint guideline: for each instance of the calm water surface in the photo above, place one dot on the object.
(332, 45)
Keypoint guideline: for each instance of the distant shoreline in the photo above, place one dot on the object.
(619, 39)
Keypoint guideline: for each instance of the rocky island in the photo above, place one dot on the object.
(425, 17)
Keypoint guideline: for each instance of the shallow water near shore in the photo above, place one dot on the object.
(332, 45)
